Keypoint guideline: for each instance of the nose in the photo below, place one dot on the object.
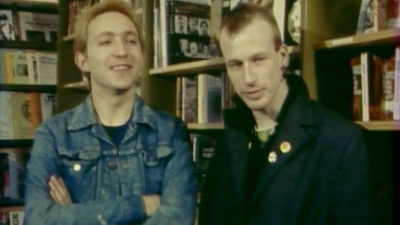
(249, 76)
(120, 48)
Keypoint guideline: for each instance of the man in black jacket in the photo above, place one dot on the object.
(282, 158)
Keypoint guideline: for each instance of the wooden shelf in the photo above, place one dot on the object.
(11, 208)
(81, 85)
(205, 126)
(16, 143)
(384, 36)
(380, 125)
(190, 67)
(29, 88)
(44, 46)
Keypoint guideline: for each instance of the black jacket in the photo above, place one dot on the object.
(321, 180)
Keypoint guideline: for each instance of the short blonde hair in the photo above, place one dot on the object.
(241, 16)
(87, 14)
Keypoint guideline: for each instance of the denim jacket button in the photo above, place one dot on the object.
(112, 166)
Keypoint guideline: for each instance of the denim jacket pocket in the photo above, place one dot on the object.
(155, 161)
(79, 172)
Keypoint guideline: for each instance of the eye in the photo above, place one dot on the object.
(234, 64)
(104, 42)
(132, 41)
(259, 59)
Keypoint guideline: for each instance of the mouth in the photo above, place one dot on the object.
(121, 67)
(253, 94)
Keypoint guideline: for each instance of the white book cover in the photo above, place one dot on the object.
(32, 67)
(364, 85)
(47, 67)
(7, 25)
(209, 89)
(38, 26)
(396, 107)
(48, 105)
(16, 217)
(6, 122)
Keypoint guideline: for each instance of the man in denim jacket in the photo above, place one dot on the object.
(112, 159)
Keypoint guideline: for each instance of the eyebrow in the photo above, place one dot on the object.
(109, 33)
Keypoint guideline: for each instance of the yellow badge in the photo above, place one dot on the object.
(285, 147)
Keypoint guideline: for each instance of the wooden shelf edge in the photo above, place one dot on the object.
(11, 208)
(190, 67)
(380, 125)
(379, 36)
(205, 126)
(80, 85)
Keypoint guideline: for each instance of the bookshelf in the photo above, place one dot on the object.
(9, 202)
(329, 42)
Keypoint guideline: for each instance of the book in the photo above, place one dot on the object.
(48, 103)
(396, 106)
(203, 147)
(387, 100)
(372, 16)
(20, 68)
(209, 98)
(16, 217)
(31, 61)
(356, 100)
(184, 31)
(38, 26)
(7, 25)
(189, 99)
(9, 66)
(26, 114)
(365, 60)
(6, 124)
(392, 13)
(46, 64)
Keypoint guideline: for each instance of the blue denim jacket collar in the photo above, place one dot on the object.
(85, 116)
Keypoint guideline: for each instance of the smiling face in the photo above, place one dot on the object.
(114, 56)
(254, 65)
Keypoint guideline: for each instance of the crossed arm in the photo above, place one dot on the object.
(60, 195)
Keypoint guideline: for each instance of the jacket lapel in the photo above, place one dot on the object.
(294, 131)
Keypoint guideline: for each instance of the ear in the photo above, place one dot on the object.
(81, 61)
(284, 55)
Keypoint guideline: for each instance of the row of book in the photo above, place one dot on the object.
(203, 150)
(12, 173)
(22, 112)
(376, 87)
(181, 31)
(28, 26)
(12, 217)
(201, 98)
(377, 15)
(28, 67)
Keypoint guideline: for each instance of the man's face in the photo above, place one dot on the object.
(253, 64)
(114, 56)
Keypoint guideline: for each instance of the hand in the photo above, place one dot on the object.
(58, 191)
(151, 203)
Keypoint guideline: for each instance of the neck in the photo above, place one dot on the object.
(266, 117)
(113, 109)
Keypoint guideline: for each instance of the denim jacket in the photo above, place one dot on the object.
(105, 181)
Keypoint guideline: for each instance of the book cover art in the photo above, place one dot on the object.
(38, 26)
(20, 68)
(209, 98)
(189, 99)
(7, 26)
(387, 102)
(48, 103)
(372, 16)
(26, 114)
(46, 64)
